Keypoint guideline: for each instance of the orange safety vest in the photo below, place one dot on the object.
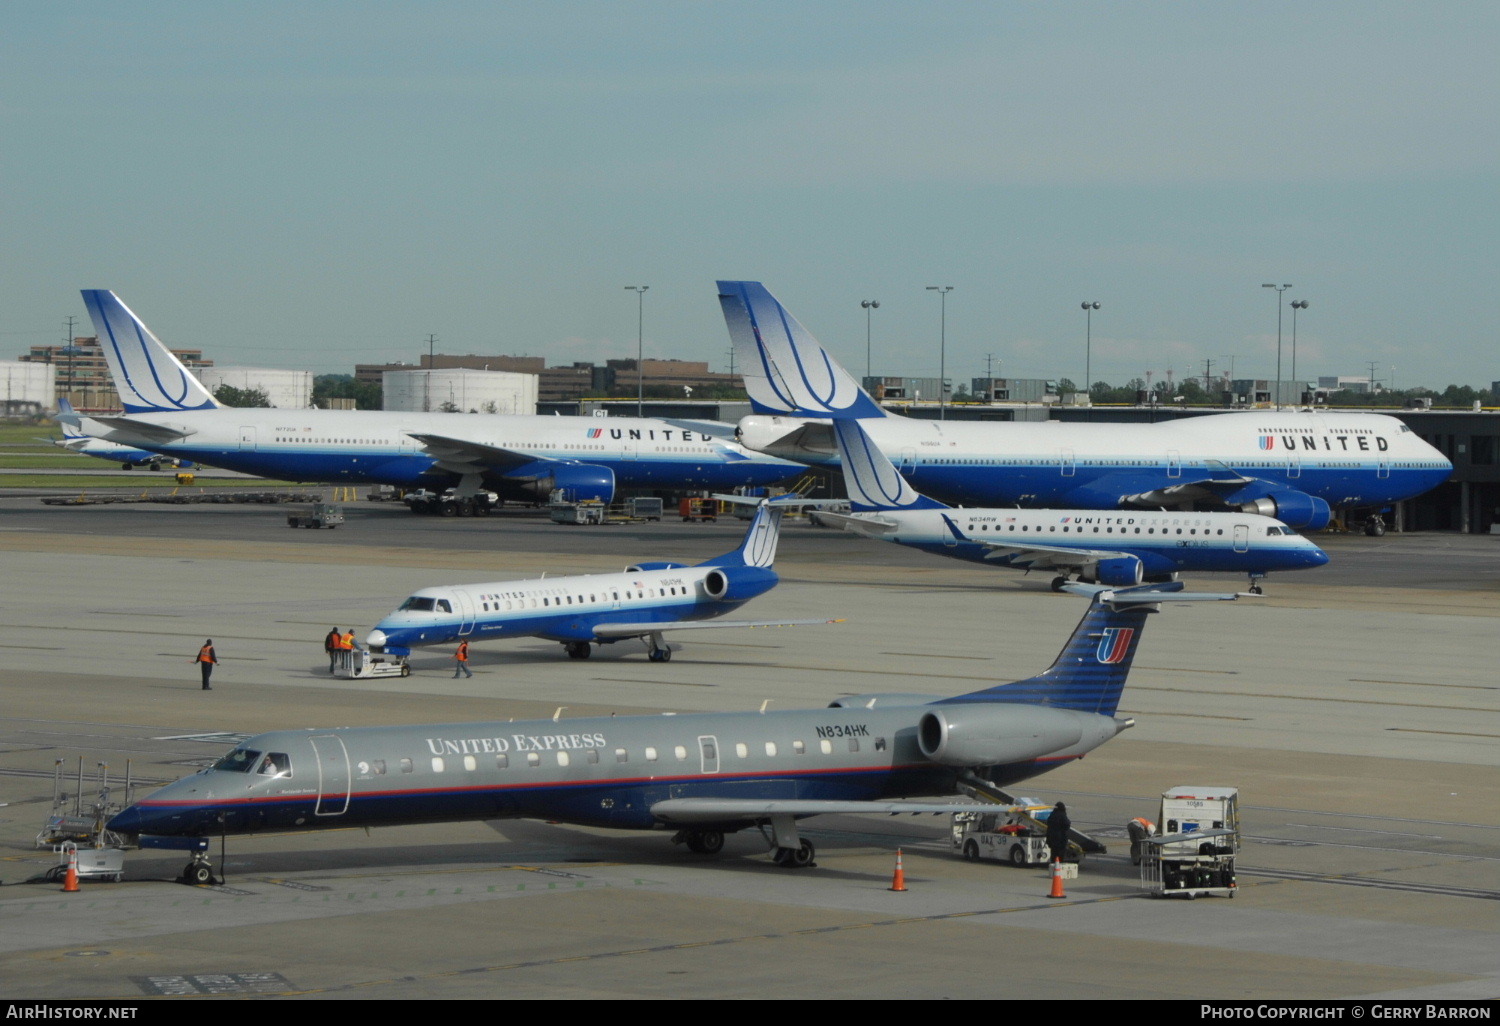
(347, 641)
(462, 655)
(206, 655)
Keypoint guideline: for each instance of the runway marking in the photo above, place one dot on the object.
(1425, 684)
(1319, 698)
(1447, 733)
(719, 942)
(654, 681)
(37, 648)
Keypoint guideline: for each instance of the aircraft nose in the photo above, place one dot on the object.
(127, 821)
(1315, 556)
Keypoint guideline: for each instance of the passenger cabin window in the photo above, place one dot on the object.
(406, 766)
(502, 761)
(437, 764)
(533, 759)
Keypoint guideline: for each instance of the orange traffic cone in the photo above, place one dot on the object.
(898, 882)
(1057, 884)
(70, 878)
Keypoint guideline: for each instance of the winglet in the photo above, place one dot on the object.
(148, 376)
(786, 369)
(871, 479)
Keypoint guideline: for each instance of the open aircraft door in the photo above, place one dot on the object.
(333, 774)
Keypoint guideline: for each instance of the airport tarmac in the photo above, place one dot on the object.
(1354, 706)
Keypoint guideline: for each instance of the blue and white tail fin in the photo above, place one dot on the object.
(1089, 674)
(759, 546)
(785, 368)
(68, 419)
(149, 378)
(872, 480)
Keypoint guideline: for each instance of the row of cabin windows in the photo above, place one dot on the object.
(1052, 529)
(594, 756)
(494, 604)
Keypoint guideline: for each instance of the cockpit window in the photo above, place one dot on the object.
(417, 604)
(276, 764)
(443, 606)
(238, 761)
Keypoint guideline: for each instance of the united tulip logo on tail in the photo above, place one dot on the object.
(1114, 644)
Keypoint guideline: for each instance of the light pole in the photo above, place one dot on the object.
(1297, 304)
(868, 304)
(942, 291)
(640, 346)
(1088, 349)
(1279, 290)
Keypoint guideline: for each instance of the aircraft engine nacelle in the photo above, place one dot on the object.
(787, 437)
(996, 733)
(738, 583)
(579, 481)
(636, 568)
(1295, 509)
(1119, 572)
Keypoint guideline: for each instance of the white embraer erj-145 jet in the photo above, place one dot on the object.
(167, 410)
(1114, 548)
(702, 775)
(645, 601)
(1292, 466)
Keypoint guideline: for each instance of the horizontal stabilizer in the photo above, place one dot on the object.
(143, 429)
(1145, 594)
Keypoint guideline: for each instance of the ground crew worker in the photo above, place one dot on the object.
(331, 646)
(1058, 825)
(347, 642)
(206, 660)
(461, 660)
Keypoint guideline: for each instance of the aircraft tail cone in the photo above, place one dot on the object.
(1057, 880)
(70, 878)
(898, 882)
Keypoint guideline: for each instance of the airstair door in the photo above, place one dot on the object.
(1241, 538)
(333, 774)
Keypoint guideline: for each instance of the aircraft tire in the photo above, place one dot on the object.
(1058, 582)
(448, 508)
(197, 874)
(710, 842)
(405, 670)
(128, 466)
(802, 857)
(579, 650)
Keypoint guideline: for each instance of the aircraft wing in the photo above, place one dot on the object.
(866, 523)
(461, 456)
(143, 429)
(1222, 480)
(640, 630)
(1046, 557)
(719, 810)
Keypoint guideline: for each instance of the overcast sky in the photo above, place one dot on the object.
(314, 184)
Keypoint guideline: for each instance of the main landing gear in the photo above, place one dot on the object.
(578, 649)
(1375, 526)
(659, 653)
(703, 842)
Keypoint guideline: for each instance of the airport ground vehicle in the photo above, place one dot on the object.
(1016, 834)
(1194, 855)
(361, 664)
(698, 509)
(323, 514)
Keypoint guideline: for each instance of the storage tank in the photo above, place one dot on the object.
(286, 389)
(26, 389)
(460, 390)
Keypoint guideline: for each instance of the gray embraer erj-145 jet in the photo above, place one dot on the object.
(702, 775)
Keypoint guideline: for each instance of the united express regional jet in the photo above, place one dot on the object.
(167, 410)
(701, 775)
(645, 601)
(1292, 466)
(1114, 548)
